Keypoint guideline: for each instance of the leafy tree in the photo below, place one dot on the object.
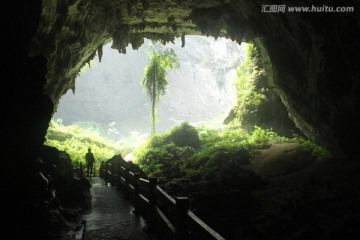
(154, 80)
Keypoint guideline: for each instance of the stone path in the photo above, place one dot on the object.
(111, 216)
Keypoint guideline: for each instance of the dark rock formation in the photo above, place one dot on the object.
(314, 60)
(284, 194)
(47, 198)
(114, 163)
(261, 106)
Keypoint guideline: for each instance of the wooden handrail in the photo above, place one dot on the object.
(161, 211)
(206, 231)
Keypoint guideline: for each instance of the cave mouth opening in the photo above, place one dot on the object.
(109, 98)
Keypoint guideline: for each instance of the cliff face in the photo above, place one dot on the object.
(110, 91)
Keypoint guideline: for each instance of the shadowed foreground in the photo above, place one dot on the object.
(111, 217)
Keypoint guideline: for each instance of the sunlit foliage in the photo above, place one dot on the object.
(315, 149)
(250, 87)
(162, 153)
(76, 140)
(218, 151)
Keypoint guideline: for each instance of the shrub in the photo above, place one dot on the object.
(185, 135)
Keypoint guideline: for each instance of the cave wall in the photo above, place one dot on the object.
(314, 76)
(25, 111)
(314, 67)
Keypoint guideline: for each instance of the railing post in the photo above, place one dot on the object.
(136, 193)
(109, 173)
(107, 176)
(182, 207)
(81, 170)
(126, 183)
(118, 176)
(112, 174)
(151, 221)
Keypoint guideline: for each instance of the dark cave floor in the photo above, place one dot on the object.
(111, 215)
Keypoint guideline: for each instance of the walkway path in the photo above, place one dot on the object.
(111, 217)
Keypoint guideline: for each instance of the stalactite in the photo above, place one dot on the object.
(182, 40)
(100, 52)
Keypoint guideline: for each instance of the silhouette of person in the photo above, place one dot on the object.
(89, 157)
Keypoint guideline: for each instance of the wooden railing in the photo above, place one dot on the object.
(163, 213)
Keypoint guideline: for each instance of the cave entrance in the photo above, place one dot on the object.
(109, 97)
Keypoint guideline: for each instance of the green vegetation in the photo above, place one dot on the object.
(154, 80)
(251, 88)
(75, 141)
(186, 151)
(162, 153)
(314, 148)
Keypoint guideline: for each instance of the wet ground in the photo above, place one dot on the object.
(111, 216)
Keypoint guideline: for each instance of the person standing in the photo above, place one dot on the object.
(89, 157)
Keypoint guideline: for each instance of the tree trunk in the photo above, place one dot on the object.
(153, 106)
